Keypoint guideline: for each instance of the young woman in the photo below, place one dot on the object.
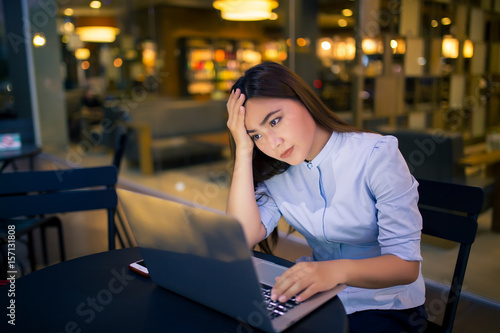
(347, 191)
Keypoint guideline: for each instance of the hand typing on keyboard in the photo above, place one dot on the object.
(305, 279)
(276, 308)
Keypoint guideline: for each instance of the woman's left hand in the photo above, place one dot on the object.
(305, 279)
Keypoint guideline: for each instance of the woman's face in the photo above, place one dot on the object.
(282, 129)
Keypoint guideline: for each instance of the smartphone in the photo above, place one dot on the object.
(139, 267)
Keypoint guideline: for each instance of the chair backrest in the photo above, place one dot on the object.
(449, 211)
(30, 193)
(432, 155)
(120, 145)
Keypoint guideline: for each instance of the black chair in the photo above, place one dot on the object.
(450, 211)
(121, 139)
(34, 193)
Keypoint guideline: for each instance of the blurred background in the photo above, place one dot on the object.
(406, 63)
(75, 73)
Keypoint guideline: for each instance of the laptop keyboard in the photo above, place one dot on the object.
(274, 308)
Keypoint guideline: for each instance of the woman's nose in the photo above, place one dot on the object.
(275, 141)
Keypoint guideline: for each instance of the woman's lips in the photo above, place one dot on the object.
(287, 153)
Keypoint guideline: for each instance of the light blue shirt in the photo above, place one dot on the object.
(355, 200)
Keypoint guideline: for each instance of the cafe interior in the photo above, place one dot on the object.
(78, 74)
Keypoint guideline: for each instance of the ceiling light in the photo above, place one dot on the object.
(97, 29)
(245, 10)
(97, 34)
(95, 4)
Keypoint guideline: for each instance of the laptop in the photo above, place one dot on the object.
(201, 254)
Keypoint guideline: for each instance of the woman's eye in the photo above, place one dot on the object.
(256, 137)
(275, 121)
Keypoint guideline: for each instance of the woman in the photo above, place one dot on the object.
(347, 191)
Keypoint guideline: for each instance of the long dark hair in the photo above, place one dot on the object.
(270, 79)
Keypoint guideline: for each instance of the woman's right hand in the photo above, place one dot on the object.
(236, 122)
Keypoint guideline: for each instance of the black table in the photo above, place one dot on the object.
(98, 293)
(9, 156)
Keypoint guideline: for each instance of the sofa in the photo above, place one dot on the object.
(166, 133)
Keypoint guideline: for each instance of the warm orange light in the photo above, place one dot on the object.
(39, 39)
(149, 54)
(324, 47)
(118, 62)
(347, 12)
(85, 65)
(301, 42)
(98, 29)
(372, 46)
(245, 10)
(398, 46)
(219, 55)
(445, 21)
(468, 48)
(97, 34)
(450, 47)
(82, 53)
(95, 4)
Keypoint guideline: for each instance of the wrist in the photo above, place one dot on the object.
(343, 270)
(244, 155)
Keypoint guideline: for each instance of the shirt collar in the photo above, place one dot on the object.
(323, 153)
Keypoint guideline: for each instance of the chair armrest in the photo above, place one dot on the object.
(144, 137)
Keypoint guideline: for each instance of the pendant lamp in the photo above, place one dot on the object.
(245, 10)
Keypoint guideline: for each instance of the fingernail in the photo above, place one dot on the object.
(274, 296)
(282, 299)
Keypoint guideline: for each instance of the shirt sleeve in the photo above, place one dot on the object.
(269, 212)
(396, 200)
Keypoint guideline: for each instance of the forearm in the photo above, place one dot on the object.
(379, 272)
(241, 202)
(307, 278)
